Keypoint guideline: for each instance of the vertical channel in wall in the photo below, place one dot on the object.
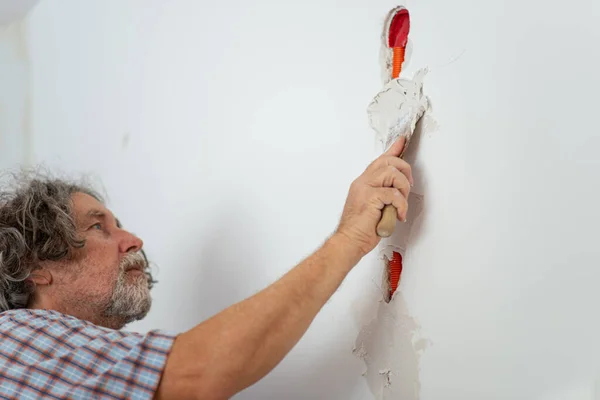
(390, 343)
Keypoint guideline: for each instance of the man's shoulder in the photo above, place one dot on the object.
(37, 319)
(48, 331)
(53, 325)
(84, 357)
(53, 322)
(27, 314)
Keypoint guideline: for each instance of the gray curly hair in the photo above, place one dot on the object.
(37, 224)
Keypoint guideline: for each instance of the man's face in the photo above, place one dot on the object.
(105, 281)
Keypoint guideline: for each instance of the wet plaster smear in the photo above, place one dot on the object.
(390, 342)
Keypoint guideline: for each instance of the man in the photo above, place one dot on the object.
(71, 277)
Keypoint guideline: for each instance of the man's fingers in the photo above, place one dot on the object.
(401, 166)
(385, 162)
(391, 176)
(391, 157)
(386, 195)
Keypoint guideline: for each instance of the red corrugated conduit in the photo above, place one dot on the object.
(398, 40)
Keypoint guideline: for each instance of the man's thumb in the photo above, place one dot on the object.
(396, 148)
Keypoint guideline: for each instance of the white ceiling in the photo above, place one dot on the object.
(13, 10)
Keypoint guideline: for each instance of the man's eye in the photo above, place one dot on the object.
(96, 226)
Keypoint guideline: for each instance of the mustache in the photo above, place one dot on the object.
(133, 261)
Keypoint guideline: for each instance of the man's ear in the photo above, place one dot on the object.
(40, 277)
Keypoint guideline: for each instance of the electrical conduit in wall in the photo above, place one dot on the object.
(390, 343)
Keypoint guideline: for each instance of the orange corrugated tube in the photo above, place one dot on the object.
(395, 272)
(397, 61)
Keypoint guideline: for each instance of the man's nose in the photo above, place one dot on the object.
(131, 243)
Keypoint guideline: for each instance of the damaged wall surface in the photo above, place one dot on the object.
(189, 111)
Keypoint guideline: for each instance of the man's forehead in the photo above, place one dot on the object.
(86, 206)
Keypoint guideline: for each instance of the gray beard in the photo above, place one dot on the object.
(131, 299)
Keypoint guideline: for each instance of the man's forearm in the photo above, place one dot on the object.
(238, 346)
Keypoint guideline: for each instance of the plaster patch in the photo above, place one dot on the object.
(391, 346)
(396, 109)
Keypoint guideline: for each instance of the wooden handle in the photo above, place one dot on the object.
(387, 224)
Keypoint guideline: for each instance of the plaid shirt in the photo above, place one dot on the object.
(48, 355)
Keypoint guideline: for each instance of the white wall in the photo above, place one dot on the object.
(15, 100)
(14, 93)
(227, 133)
(12, 11)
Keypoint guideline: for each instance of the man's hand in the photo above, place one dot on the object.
(387, 180)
